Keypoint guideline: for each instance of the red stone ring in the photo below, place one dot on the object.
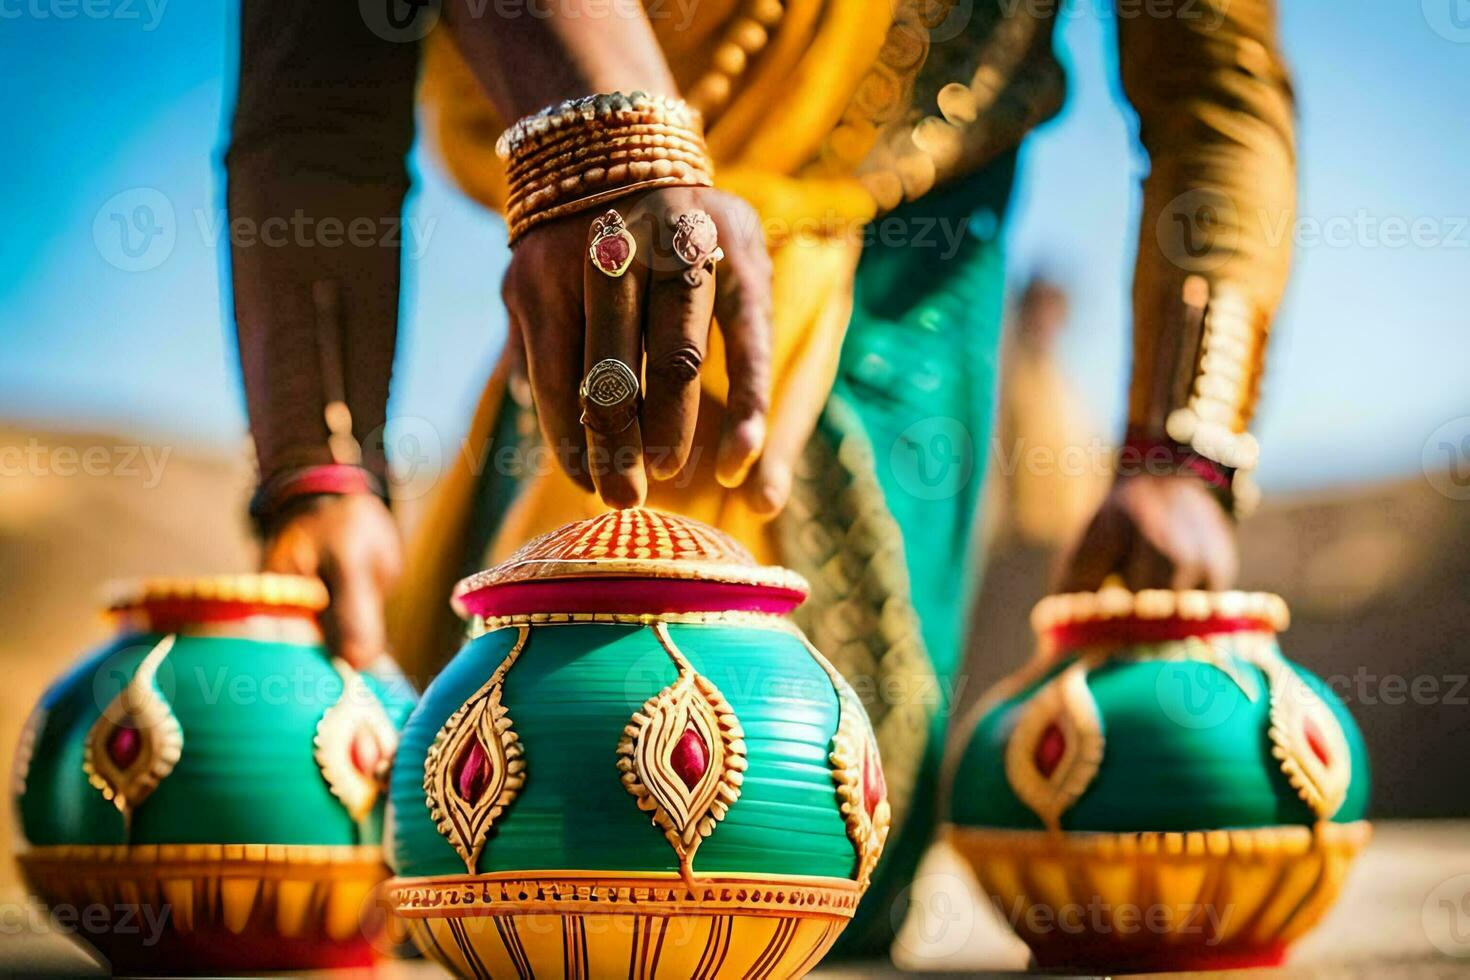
(612, 248)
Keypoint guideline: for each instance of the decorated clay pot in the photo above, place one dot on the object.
(636, 766)
(203, 792)
(1160, 789)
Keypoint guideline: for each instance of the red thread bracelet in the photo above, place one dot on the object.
(336, 479)
(1138, 450)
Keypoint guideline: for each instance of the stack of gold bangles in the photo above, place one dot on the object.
(578, 154)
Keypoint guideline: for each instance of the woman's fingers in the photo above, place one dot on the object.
(1157, 532)
(1102, 550)
(681, 298)
(743, 308)
(551, 326)
(354, 622)
(649, 281)
(614, 278)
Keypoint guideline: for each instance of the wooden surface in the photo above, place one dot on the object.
(1404, 914)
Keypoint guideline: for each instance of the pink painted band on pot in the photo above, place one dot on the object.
(1130, 630)
(627, 595)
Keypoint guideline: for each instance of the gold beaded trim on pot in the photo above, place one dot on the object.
(613, 892)
(1114, 603)
(582, 153)
(264, 589)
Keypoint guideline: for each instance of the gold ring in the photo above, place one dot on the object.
(609, 395)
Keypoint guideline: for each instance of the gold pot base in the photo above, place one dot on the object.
(581, 924)
(1161, 900)
(183, 907)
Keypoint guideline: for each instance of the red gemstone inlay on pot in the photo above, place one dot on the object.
(366, 753)
(1050, 749)
(690, 758)
(612, 252)
(472, 771)
(124, 746)
(875, 787)
(1316, 742)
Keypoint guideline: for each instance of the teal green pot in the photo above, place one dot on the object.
(636, 764)
(215, 767)
(1160, 788)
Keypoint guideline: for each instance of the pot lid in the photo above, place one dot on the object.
(208, 597)
(1115, 616)
(633, 561)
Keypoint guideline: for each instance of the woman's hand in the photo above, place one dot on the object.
(351, 542)
(1158, 532)
(569, 314)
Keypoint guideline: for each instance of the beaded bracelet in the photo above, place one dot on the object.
(613, 107)
(582, 153)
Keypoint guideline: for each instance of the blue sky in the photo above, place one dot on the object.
(121, 109)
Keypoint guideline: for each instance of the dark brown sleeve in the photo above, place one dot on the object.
(317, 174)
